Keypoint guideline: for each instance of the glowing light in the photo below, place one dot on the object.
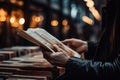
(3, 15)
(87, 20)
(12, 20)
(87, 0)
(20, 3)
(54, 23)
(41, 18)
(64, 22)
(74, 12)
(67, 27)
(37, 19)
(95, 13)
(22, 21)
(13, 1)
(90, 4)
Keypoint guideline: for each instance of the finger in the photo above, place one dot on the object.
(68, 43)
(80, 49)
(67, 40)
(61, 50)
(57, 48)
(59, 45)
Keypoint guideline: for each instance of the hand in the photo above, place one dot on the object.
(58, 58)
(77, 44)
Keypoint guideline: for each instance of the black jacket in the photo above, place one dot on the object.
(102, 60)
(80, 69)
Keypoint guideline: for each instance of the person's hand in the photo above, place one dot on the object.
(76, 44)
(58, 58)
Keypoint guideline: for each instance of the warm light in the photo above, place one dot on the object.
(13, 1)
(22, 21)
(95, 14)
(12, 20)
(66, 29)
(2, 19)
(38, 18)
(87, 20)
(41, 18)
(90, 4)
(3, 15)
(64, 22)
(87, 0)
(54, 23)
(16, 18)
(20, 3)
(65, 25)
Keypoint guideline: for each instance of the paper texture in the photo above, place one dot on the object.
(42, 38)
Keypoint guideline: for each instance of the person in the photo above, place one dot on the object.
(102, 59)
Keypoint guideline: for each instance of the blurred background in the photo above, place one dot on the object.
(62, 18)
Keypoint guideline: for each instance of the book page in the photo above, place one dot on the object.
(34, 38)
(45, 39)
(52, 40)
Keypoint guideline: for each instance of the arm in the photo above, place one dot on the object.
(83, 69)
(91, 50)
(79, 69)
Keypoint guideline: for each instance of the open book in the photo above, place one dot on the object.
(42, 38)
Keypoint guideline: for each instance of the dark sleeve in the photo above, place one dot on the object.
(79, 69)
(91, 50)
